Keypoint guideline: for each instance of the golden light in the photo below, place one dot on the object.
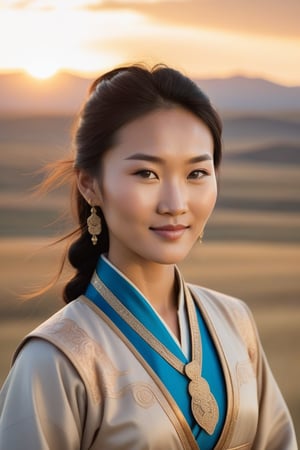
(41, 71)
(98, 39)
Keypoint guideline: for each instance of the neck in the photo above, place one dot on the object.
(157, 282)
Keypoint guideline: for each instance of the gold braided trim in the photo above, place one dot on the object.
(242, 447)
(194, 328)
(136, 325)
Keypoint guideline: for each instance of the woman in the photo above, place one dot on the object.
(138, 359)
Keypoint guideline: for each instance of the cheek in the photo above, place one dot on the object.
(125, 202)
(205, 202)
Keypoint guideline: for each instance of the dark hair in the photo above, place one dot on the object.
(116, 98)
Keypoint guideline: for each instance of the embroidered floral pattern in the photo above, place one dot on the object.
(84, 351)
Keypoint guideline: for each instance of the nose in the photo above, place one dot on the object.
(172, 200)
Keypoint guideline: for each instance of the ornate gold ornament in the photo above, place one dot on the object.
(94, 225)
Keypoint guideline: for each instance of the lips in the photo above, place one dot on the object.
(170, 227)
(170, 232)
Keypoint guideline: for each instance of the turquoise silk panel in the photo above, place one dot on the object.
(175, 382)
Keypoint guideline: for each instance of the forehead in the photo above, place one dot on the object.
(163, 131)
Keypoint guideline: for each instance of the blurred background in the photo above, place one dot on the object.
(246, 57)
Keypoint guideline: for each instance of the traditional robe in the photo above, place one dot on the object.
(78, 382)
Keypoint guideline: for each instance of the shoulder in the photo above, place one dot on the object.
(38, 358)
(60, 328)
(47, 345)
(71, 334)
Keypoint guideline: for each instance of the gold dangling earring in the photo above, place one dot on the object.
(94, 225)
(200, 237)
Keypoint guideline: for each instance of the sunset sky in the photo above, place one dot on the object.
(205, 38)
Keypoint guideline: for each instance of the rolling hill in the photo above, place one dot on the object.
(63, 94)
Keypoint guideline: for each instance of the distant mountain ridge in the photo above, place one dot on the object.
(246, 95)
(63, 94)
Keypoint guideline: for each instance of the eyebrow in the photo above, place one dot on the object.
(157, 159)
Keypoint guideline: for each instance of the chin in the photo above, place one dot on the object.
(171, 259)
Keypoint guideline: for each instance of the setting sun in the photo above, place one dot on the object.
(41, 71)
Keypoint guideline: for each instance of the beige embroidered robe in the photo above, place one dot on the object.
(77, 383)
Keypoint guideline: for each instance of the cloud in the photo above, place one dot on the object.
(268, 17)
(205, 52)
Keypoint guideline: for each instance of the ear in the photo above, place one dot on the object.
(89, 188)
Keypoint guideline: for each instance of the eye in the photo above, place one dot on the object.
(197, 174)
(146, 174)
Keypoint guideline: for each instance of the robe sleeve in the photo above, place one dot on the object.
(42, 403)
(275, 429)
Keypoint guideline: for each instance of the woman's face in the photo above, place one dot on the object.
(157, 187)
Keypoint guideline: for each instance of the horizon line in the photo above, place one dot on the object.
(93, 74)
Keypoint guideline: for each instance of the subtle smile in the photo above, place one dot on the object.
(171, 232)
